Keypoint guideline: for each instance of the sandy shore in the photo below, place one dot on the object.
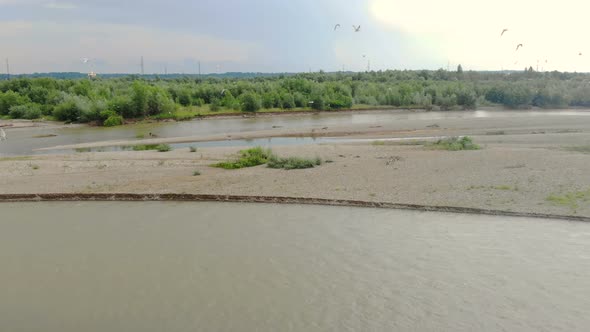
(501, 176)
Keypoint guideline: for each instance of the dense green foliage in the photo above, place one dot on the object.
(248, 158)
(109, 101)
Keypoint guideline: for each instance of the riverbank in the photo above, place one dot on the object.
(499, 177)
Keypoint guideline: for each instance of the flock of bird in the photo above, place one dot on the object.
(354, 27)
(521, 45)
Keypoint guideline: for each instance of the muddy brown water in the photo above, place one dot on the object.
(166, 266)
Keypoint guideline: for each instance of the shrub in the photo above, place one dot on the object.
(248, 158)
(293, 162)
(196, 173)
(28, 111)
(113, 120)
(67, 111)
(250, 102)
(10, 99)
(193, 149)
(163, 148)
(456, 144)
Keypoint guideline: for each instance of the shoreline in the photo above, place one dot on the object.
(22, 123)
(171, 197)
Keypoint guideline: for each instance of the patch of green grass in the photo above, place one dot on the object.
(378, 143)
(571, 199)
(34, 166)
(503, 187)
(193, 149)
(140, 136)
(81, 150)
(196, 173)
(408, 143)
(455, 144)
(163, 148)
(293, 162)
(248, 158)
(145, 147)
(16, 158)
(581, 148)
(259, 156)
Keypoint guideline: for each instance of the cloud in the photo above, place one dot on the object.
(42, 3)
(60, 5)
(50, 46)
(468, 32)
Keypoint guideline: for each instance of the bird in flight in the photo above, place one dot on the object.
(356, 29)
(519, 46)
(503, 32)
(336, 27)
(85, 60)
(580, 53)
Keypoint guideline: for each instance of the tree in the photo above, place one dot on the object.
(459, 69)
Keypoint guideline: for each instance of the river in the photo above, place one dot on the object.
(26, 140)
(151, 266)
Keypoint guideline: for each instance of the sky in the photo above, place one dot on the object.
(292, 35)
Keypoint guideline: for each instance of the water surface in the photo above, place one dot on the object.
(149, 266)
(26, 140)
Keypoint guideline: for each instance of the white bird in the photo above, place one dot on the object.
(85, 60)
(356, 29)
(2, 135)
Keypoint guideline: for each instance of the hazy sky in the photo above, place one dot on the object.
(292, 35)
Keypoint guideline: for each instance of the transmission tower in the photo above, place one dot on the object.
(7, 70)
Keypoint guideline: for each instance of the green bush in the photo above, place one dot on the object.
(28, 111)
(113, 120)
(163, 148)
(293, 162)
(456, 144)
(250, 102)
(10, 99)
(248, 158)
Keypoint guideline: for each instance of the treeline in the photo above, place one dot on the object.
(110, 101)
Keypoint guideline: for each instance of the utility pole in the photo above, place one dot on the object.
(7, 70)
(199, 69)
(165, 70)
(142, 72)
(368, 65)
